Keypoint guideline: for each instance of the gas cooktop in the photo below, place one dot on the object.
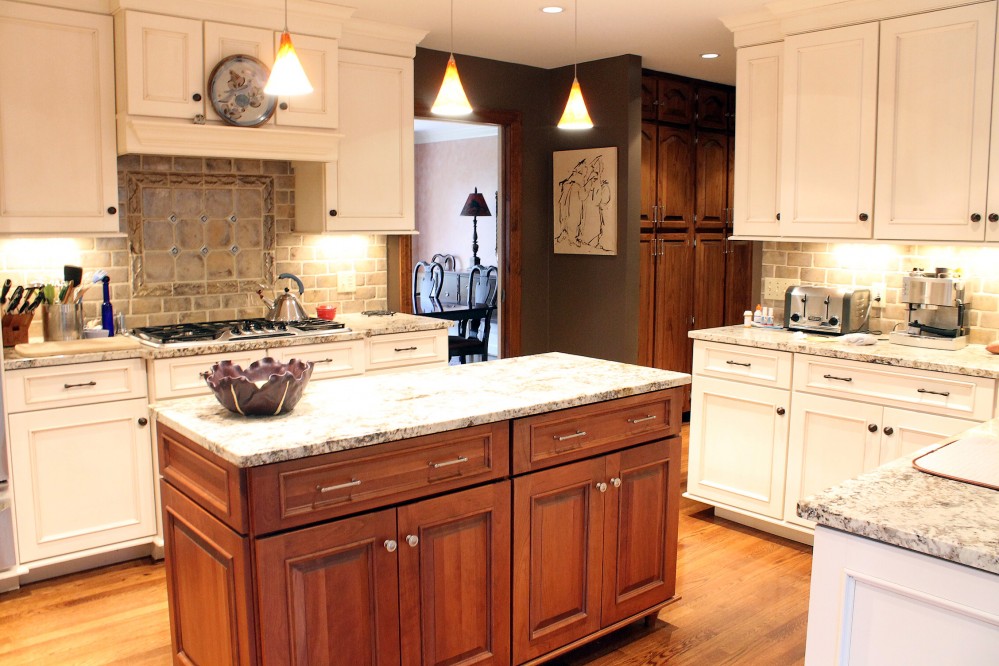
(233, 330)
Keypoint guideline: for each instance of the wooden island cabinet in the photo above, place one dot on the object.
(507, 542)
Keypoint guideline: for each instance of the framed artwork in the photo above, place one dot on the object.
(585, 201)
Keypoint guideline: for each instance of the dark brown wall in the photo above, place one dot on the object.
(576, 304)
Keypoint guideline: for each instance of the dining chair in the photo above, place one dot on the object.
(428, 278)
(473, 333)
(448, 261)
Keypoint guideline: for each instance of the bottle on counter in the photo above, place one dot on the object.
(758, 315)
(107, 312)
(770, 317)
(747, 319)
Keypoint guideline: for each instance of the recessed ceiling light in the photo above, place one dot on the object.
(552, 10)
(709, 56)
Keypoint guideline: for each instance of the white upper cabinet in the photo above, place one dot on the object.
(58, 172)
(934, 107)
(223, 40)
(319, 108)
(829, 116)
(757, 140)
(163, 75)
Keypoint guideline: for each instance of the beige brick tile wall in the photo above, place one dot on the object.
(862, 265)
(316, 259)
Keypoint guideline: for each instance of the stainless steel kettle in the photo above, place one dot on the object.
(286, 307)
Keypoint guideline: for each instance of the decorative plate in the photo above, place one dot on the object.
(236, 88)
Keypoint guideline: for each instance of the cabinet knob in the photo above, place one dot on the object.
(196, 97)
(873, 427)
(283, 106)
(390, 545)
(602, 487)
(143, 421)
(781, 411)
(993, 217)
(112, 210)
(778, 217)
(332, 212)
(616, 482)
(975, 217)
(412, 540)
(863, 217)
(889, 431)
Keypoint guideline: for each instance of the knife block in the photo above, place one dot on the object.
(15, 328)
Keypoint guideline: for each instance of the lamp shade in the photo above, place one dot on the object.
(451, 100)
(287, 76)
(575, 115)
(475, 206)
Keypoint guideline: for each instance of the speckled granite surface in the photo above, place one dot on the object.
(973, 360)
(360, 325)
(900, 505)
(360, 411)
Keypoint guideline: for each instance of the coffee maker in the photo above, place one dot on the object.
(937, 310)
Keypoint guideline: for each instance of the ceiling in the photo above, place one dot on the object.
(670, 35)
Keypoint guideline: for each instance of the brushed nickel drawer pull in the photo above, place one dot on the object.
(839, 379)
(402, 349)
(745, 365)
(562, 438)
(69, 386)
(325, 360)
(340, 486)
(943, 393)
(650, 417)
(456, 461)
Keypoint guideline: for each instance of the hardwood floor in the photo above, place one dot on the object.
(744, 600)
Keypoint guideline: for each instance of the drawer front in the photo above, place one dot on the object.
(402, 349)
(766, 367)
(68, 385)
(181, 377)
(575, 433)
(303, 491)
(920, 390)
(334, 359)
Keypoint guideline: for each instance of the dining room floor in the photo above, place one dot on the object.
(743, 600)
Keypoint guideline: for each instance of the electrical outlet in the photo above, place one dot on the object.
(878, 295)
(774, 288)
(346, 282)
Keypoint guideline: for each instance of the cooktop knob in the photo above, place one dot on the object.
(282, 326)
(235, 330)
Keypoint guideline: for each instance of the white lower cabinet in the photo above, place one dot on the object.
(82, 477)
(738, 436)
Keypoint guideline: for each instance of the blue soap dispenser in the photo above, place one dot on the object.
(107, 312)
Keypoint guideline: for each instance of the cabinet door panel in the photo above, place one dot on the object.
(711, 191)
(640, 534)
(164, 65)
(223, 40)
(934, 104)
(455, 597)
(830, 442)
(330, 594)
(320, 108)
(675, 180)
(829, 115)
(738, 445)
(557, 547)
(83, 477)
(649, 166)
(738, 280)
(676, 101)
(709, 281)
(673, 350)
(911, 431)
(712, 108)
(646, 297)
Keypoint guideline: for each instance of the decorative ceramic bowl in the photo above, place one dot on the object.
(267, 388)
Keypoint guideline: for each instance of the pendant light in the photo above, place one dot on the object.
(451, 100)
(575, 116)
(287, 76)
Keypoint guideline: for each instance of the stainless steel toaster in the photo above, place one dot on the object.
(833, 310)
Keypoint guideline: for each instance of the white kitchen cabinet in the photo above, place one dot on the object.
(905, 431)
(738, 445)
(58, 171)
(82, 477)
(396, 351)
(934, 109)
(182, 376)
(828, 136)
(370, 188)
(329, 359)
(759, 73)
(222, 40)
(320, 108)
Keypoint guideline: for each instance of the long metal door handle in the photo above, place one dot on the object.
(69, 386)
(839, 379)
(340, 486)
(456, 461)
(562, 438)
(745, 365)
(650, 417)
(402, 349)
(943, 393)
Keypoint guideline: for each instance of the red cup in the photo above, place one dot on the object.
(327, 312)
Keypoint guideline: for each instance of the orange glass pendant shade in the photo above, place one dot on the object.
(451, 100)
(575, 115)
(287, 76)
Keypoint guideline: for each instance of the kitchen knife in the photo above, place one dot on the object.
(35, 303)
(15, 298)
(26, 298)
(6, 288)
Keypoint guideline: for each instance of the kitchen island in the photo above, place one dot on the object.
(504, 512)
(905, 568)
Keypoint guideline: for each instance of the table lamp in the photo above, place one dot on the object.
(475, 205)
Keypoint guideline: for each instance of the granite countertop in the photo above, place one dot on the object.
(360, 327)
(900, 505)
(359, 411)
(973, 360)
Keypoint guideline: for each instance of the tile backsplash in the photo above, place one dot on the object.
(863, 265)
(201, 235)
